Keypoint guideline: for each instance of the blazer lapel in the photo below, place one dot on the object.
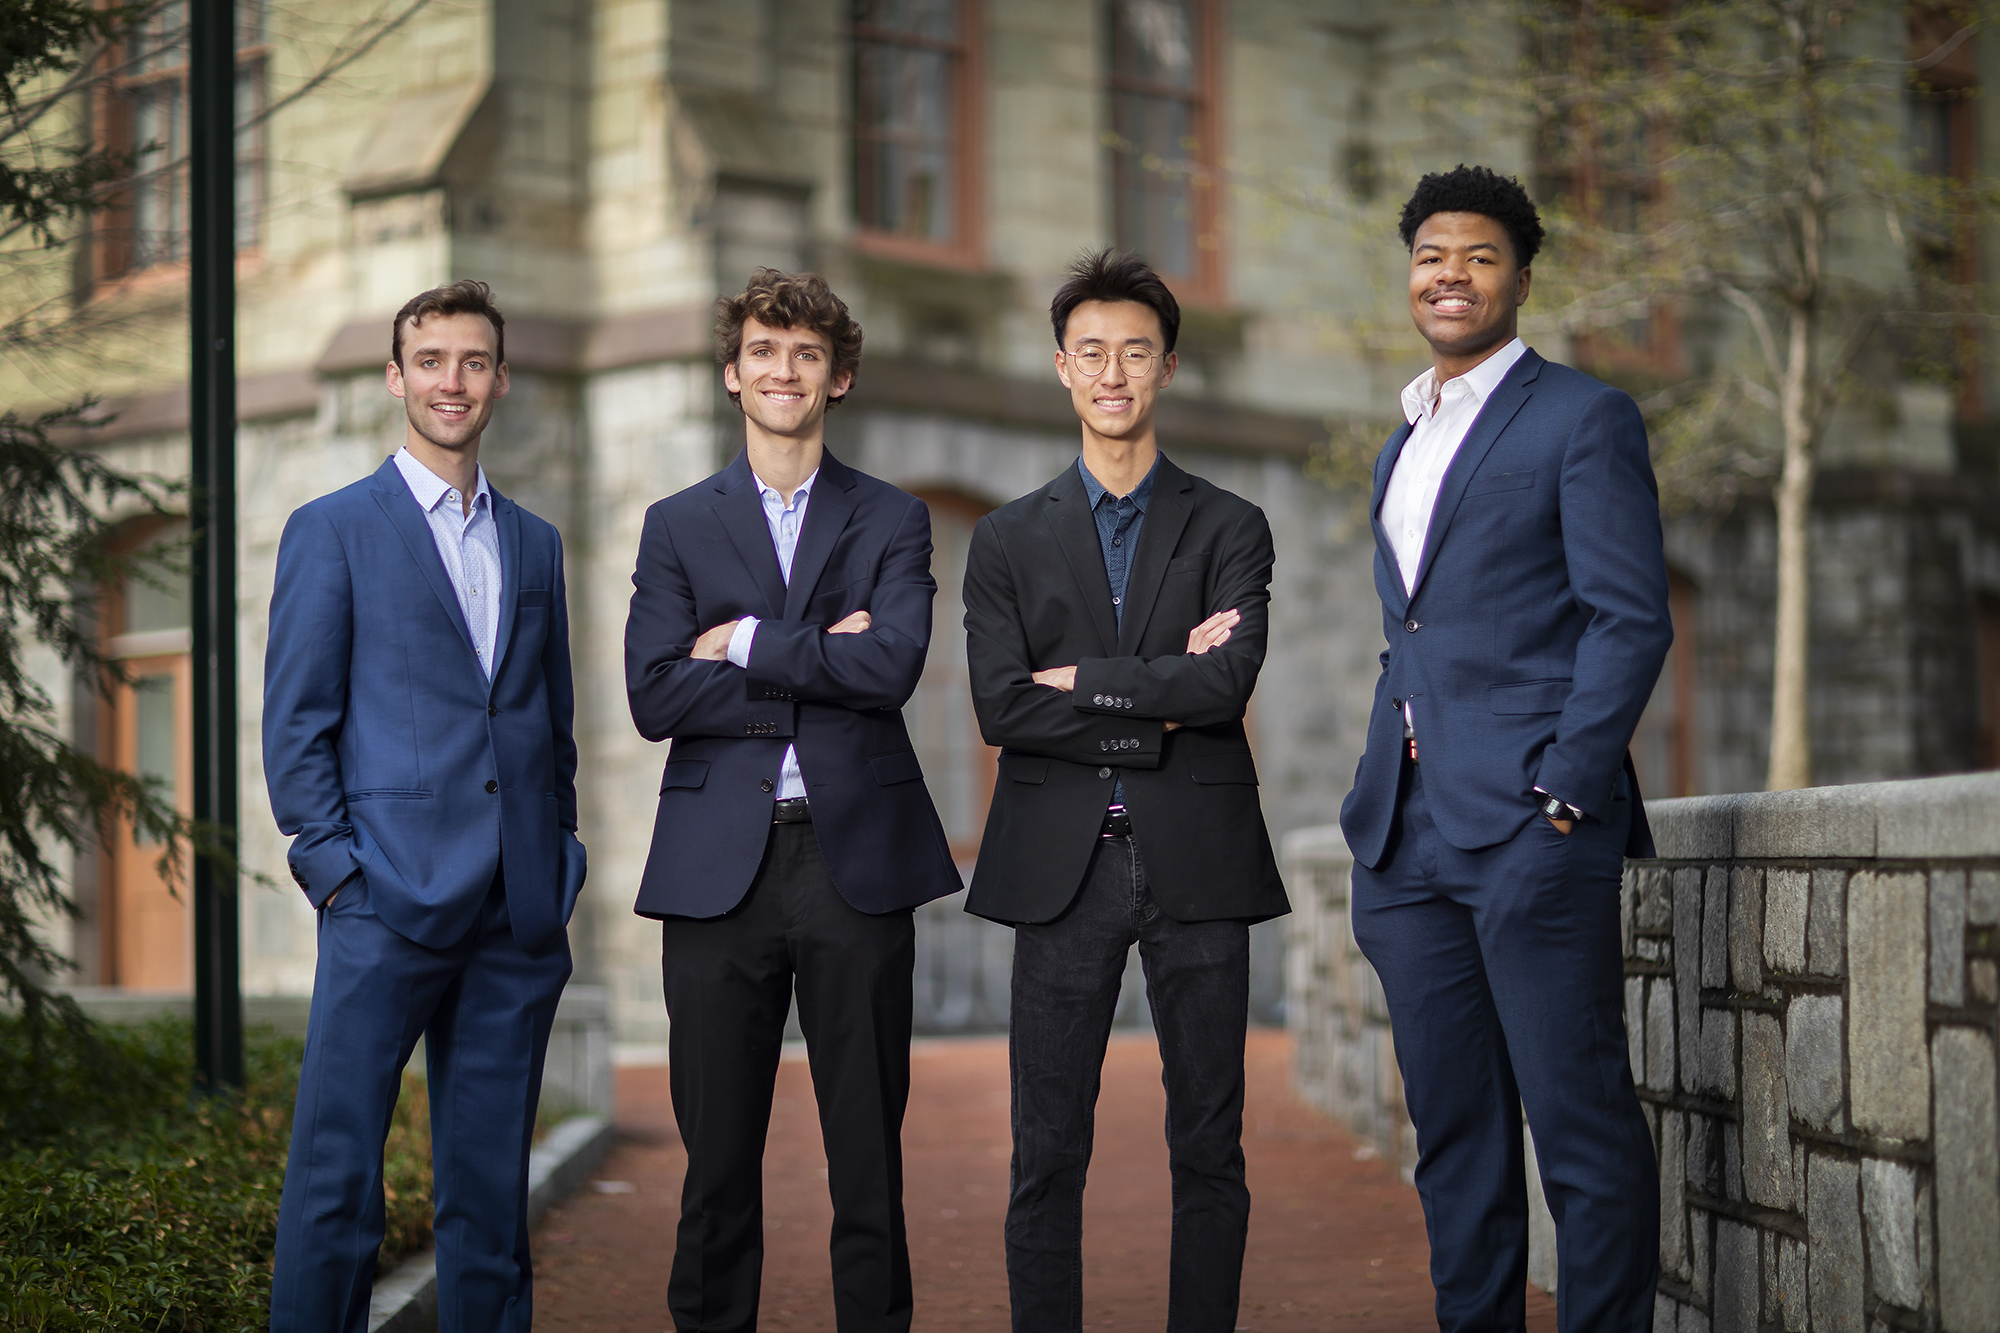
(408, 520)
(827, 511)
(1167, 513)
(1385, 466)
(741, 514)
(507, 520)
(1066, 511)
(1507, 399)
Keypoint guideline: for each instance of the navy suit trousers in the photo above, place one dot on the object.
(484, 1008)
(1502, 971)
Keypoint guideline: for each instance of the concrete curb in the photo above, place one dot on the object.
(405, 1299)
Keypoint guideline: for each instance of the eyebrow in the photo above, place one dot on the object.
(1476, 245)
(481, 353)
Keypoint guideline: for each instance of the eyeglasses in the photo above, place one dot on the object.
(1136, 362)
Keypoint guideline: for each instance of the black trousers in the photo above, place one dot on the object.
(1066, 975)
(729, 984)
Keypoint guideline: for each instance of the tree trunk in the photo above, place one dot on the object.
(1791, 705)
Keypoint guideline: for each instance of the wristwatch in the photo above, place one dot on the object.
(1554, 807)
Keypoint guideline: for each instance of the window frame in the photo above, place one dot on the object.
(1206, 284)
(967, 247)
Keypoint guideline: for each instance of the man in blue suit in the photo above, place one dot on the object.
(781, 611)
(417, 743)
(1524, 599)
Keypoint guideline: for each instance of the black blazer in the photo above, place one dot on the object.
(1036, 596)
(706, 557)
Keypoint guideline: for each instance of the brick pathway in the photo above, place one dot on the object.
(1336, 1243)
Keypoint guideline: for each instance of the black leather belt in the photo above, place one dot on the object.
(1117, 823)
(794, 811)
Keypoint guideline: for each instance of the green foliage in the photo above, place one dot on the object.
(126, 1204)
(55, 558)
(39, 38)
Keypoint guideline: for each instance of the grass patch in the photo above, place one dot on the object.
(128, 1204)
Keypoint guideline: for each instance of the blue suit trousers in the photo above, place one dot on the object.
(1502, 971)
(484, 1007)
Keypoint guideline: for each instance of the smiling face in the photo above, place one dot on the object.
(1466, 291)
(784, 378)
(1115, 404)
(448, 379)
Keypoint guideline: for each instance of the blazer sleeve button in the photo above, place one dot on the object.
(491, 786)
(766, 785)
(1103, 772)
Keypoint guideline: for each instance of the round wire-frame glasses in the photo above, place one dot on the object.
(1137, 362)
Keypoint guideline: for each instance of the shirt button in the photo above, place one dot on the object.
(1118, 601)
(491, 786)
(1117, 541)
(1103, 772)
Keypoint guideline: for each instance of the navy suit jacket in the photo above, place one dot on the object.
(706, 557)
(386, 749)
(1539, 621)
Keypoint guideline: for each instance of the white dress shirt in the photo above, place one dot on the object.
(469, 545)
(1439, 420)
(784, 521)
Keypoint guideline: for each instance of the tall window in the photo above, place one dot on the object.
(148, 116)
(1941, 111)
(915, 122)
(1163, 149)
(959, 766)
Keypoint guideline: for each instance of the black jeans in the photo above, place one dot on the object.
(1066, 977)
(729, 985)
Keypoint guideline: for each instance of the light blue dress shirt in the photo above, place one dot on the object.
(469, 545)
(784, 522)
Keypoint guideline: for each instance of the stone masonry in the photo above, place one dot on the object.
(1810, 1003)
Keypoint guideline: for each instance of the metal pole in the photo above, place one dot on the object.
(218, 1001)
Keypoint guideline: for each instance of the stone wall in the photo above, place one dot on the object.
(1811, 1005)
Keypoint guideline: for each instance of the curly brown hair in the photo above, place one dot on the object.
(788, 301)
(467, 296)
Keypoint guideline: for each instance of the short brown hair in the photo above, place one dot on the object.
(788, 301)
(467, 296)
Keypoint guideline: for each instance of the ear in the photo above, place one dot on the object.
(841, 384)
(1167, 364)
(1062, 369)
(501, 381)
(394, 376)
(1521, 292)
(731, 379)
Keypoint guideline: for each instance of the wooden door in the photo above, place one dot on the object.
(151, 719)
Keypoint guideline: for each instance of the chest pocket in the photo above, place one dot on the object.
(1500, 481)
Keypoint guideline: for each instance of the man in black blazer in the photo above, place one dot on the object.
(1524, 603)
(1115, 622)
(780, 616)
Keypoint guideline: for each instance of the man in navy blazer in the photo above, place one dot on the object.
(1524, 599)
(418, 748)
(781, 611)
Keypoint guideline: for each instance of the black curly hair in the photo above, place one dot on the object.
(1480, 190)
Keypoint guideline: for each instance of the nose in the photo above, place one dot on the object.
(454, 378)
(1114, 372)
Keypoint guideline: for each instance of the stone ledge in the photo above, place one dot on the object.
(1920, 818)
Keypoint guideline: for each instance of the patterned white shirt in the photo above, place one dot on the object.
(469, 545)
(784, 521)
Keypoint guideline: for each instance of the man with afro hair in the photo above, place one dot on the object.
(1524, 601)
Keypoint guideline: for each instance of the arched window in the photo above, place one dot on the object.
(143, 926)
(959, 767)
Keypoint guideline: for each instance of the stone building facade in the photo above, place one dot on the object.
(610, 166)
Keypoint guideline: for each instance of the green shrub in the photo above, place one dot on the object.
(126, 1203)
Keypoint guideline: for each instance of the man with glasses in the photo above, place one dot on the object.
(1115, 623)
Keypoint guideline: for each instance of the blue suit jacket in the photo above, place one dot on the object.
(706, 557)
(1539, 621)
(386, 749)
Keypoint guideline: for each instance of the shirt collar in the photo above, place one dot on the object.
(429, 488)
(1421, 394)
(1140, 493)
(770, 495)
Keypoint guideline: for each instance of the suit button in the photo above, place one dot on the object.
(491, 786)
(1395, 705)
(766, 785)
(1411, 625)
(1103, 772)
(1104, 745)
(491, 711)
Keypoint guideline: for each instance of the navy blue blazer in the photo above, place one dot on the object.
(1539, 622)
(388, 751)
(706, 557)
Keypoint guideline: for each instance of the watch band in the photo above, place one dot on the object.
(1554, 807)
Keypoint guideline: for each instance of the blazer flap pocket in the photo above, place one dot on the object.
(1215, 769)
(1489, 483)
(1534, 696)
(387, 794)
(534, 597)
(896, 766)
(685, 773)
(1025, 767)
(1187, 564)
